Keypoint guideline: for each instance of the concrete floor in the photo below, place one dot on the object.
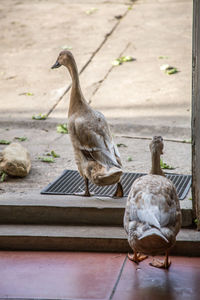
(90, 276)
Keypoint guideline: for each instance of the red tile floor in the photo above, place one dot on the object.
(76, 275)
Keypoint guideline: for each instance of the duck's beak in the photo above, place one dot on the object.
(56, 65)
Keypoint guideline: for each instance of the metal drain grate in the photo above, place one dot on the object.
(70, 182)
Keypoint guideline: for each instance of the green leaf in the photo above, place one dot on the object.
(171, 71)
(39, 117)
(162, 57)
(46, 159)
(165, 166)
(126, 58)
(130, 7)
(4, 142)
(116, 62)
(91, 11)
(168, 69)
(129, 158)
(195, 221)
(3, 177)
(21, 139)
(190, 198)
(53, 154)
(121, 145)
(120, 60)
(26, 94)
(66, 47)
(62, 128)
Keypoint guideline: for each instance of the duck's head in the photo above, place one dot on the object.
(63, 59)
(157, 145)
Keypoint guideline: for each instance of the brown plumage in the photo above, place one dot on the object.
(96, 155)
(152, 216)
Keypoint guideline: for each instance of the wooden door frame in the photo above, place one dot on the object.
(196, 111)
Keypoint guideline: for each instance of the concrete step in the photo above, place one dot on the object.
(70, 210)
(83, 238)
(53, 209)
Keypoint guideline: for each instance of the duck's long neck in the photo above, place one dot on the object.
(76, 97)
(155, 167)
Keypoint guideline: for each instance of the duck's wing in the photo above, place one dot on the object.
(154, 202)
(95, 140)
(131, 207)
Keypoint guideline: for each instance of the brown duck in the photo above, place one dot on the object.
(152, 216)
(96, 155)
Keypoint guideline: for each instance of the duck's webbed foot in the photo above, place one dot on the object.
(137, 257)
(119, 191)
(165, 264)
(160, 264)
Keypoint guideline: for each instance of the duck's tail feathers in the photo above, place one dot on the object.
(153, 231)
(109, 177)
